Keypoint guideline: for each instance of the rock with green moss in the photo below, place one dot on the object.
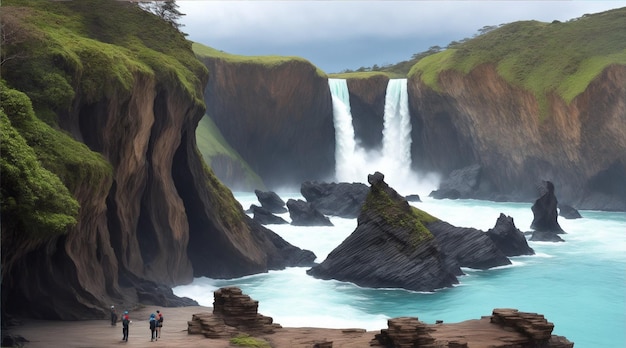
(390, 248)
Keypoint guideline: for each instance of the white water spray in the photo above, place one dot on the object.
(353, 163)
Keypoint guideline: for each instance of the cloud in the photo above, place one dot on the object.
(245, 27)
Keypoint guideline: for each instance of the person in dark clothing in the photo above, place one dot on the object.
(113, 316)
(153, 326)
(125, 324)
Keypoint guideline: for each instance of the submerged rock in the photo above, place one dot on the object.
(304, 214)
(337, 199)
(568, 212)
(271, 201)
(265, 217)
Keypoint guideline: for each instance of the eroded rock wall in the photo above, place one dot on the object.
(278, 117)
(480, 118)
(367, 105)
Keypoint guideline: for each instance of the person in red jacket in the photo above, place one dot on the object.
(159, 318)
(125, 325)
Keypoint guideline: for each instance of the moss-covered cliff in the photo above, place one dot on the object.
(276, 112)
(530, 101)
(107, 196)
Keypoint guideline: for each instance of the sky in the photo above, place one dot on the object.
(340, 35)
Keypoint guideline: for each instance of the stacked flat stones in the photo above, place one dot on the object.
(233, 313)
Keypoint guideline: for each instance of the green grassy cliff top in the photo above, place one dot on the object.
(540, 57)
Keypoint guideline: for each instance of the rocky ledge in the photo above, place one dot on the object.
(235, 313)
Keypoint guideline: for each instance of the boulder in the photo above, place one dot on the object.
(463, 183)
(508, 238)
(544, 210)
(265, 217)
(470, 247)
(304, 214)
(336, 199)
(568, 212)
(390, 248)
(271, 201)
(413, 198)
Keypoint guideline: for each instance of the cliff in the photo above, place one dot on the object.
(275, 112)
(106, 99)
(506, 101)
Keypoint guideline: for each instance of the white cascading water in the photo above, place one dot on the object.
(353, 163)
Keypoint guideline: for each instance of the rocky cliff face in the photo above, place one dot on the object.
(277, 116)
(367, 105)
(480, 118)
(157, 216)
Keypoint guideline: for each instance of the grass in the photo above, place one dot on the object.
(244, 340)
(203, 51)
(211, 143)
(543, 58)
(394, 213)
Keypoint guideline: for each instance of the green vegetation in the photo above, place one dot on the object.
(394, 213)
(543, 58)
(244, 340)
(365, 75)
(203, 51)
(211, 143)
(77, 52)
(96, 47)
(34, 200)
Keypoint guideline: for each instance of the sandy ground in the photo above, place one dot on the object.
(100, 333)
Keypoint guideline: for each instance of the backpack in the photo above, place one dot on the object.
(125, 321)
(160, 318)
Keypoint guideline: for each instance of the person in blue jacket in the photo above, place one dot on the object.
(153, 326)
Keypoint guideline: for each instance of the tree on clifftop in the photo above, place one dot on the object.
(167, 10)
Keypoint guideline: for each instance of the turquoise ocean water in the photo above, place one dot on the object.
(579, 285)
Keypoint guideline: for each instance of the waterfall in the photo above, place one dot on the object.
(397, 131)
(346, 170)
(393, 159)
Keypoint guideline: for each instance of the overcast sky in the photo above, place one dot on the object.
(338, 35)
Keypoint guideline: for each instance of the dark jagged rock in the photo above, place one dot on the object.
(468, 246)
(265, 217)
(336, 199)
(544, 210)
(413, 198)
(464, 181)
(304, 214)
(545, 225)
(445, 194)
(508, 238)
(390, 247)
(568, 212)
(271, 201)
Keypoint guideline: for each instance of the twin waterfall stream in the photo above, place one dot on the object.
(393, 158)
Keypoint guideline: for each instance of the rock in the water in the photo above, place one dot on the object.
(265, 217)
(509, 238)
(304, 214)
(461, 183)
(543, 236)
(390, 247)
(468, 246)
(336, 199)
(271, 201)
(544, 210)
(413, 198)
(568, 212)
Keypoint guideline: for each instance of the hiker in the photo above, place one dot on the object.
(113, 316)
(159, 318)
(125, 324)
(153, 326)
